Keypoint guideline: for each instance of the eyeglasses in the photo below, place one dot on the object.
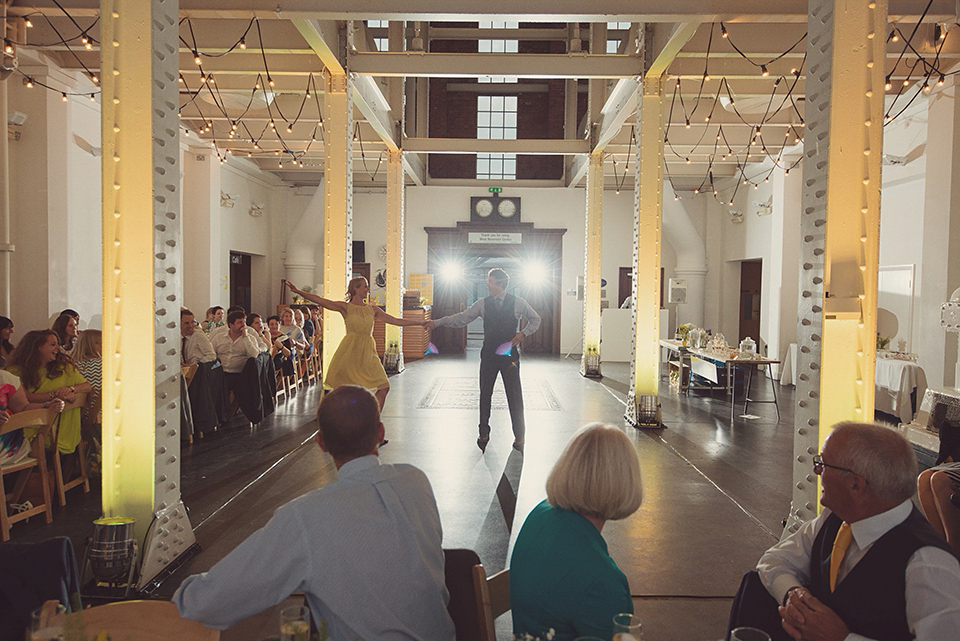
(818, 466)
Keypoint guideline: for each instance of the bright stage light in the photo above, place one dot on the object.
(451, 271)
(535, 274)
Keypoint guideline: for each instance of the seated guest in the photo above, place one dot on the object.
(561, 576)
(6, 347)
(195, 347)
(235, 346)
(66, 328)
(308, 326)
(213, 320)
(280, 350)
(936, 485)
(13, 399)
(72, 313)
(48, 374)
(365, 549)
(251, 379)
(288, 326)
(870, 566)
(88, 359)
(300, 319)
(255, 335)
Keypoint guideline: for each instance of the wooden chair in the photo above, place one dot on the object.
(37, 460)
(493, 599)
(189, 372)
(317, 357)
(81, 453)
(140, 620)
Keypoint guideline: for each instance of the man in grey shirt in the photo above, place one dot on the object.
(500, 354)
(365, 550)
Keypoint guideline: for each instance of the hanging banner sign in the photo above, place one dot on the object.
(494, 238)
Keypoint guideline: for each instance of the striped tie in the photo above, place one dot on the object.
(840, 545)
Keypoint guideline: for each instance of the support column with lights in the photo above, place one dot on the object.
(593, 262)
(141, 271)
(643, 402)
(840, 227)
(393, 358)
(338, 204)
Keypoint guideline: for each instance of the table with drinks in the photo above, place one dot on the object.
(708, 363)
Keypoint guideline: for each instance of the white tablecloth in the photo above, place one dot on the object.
(895, 381)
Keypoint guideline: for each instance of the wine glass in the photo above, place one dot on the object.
(627, 627)
(295, 623)
(46, 622)
(748, 634)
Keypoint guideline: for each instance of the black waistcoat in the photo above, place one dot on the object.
(871, 599)
(499, 327)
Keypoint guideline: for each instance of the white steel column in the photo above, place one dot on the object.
(840, 225)
(643, 404)
(141, 249)
(393, 357)
(593, 262)
(338, 204)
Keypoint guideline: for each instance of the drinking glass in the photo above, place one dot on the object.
(626, 627)
(748, 634)
(295, 623)
(46, 622)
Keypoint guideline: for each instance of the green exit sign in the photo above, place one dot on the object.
(495, 190)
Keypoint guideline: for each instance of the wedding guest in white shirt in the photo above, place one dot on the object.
(365, 549)
(236, 345)
(195, 347)
(870, 566)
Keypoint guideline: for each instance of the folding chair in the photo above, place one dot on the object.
(493, 599)
(81, 453)
(43, 419)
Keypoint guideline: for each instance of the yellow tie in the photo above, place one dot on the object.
(840, 545)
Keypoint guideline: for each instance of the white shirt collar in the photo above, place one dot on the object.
(867, 531)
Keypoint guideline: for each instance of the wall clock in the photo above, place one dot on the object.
(494, 208)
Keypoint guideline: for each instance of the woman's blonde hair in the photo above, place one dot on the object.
(598, 474)
(86, 347)
(353, 285)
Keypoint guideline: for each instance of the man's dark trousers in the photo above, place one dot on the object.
(499, 328)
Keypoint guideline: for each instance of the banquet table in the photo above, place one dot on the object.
(895, 383)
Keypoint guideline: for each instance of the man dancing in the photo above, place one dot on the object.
(501, 313)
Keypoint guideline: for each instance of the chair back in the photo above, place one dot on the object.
(143, 621)
(189, 372)
(493, 599)
(30, 418)
(458, 576)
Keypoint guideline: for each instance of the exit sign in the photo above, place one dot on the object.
(495, 190)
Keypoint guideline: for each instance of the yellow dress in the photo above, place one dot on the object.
(356, 362)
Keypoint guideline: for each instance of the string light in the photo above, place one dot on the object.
(196, 57)
(243, 43)
(29, 83)
(29, 24)
(63, 93)
(763, 71)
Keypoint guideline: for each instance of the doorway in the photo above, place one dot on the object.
(241, 280)
(461, 257)
(751, 279)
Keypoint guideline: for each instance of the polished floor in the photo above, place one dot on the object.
(715, 493)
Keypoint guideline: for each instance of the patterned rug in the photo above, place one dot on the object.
(463, 393)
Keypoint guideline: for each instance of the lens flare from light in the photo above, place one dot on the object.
(535, 274)
(451, 271)
(432, 349)
(505, 349)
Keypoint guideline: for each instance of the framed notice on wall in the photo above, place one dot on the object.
(423, 282)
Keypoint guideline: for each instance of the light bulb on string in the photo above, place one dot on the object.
(270, 81)
(688, 123)
(243, 43)
(94, 78)
(93, 98)
(29, 24)
(763, 71)
(64, 96)
(723, 31)
(8, 48)
(887, 84)
(196, 57)
(29, 83)
(893, 36)
(906, 82)
(940, 81)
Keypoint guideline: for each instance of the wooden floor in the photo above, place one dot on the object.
(715, 493)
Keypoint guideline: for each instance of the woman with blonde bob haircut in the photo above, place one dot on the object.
(561, 575)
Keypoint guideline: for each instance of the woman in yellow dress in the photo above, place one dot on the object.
(356, 362)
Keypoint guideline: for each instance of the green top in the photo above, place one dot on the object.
(562, 577)
(68, 436)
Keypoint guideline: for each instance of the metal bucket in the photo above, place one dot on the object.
(112, 549)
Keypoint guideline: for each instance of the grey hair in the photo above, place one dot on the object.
(882, 456)
(598, 474)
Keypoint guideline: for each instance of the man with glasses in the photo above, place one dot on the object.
(870, 566)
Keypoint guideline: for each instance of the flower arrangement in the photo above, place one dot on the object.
(683, 332)
(882, 342)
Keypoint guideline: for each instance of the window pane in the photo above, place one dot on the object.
(509, 104)
(483, 118)
(510, 119)
(511, 46)
(483, 133)
(510, 133)
(496, 119)
(612, 46)
(496, 103)
(483, 103)
(483, 165)
(483, 46)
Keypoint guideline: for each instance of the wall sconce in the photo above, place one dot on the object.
(764, 208)
(256, 209)
(736, 217)
(227, 200)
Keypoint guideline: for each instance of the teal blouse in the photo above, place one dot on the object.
(562, 577)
